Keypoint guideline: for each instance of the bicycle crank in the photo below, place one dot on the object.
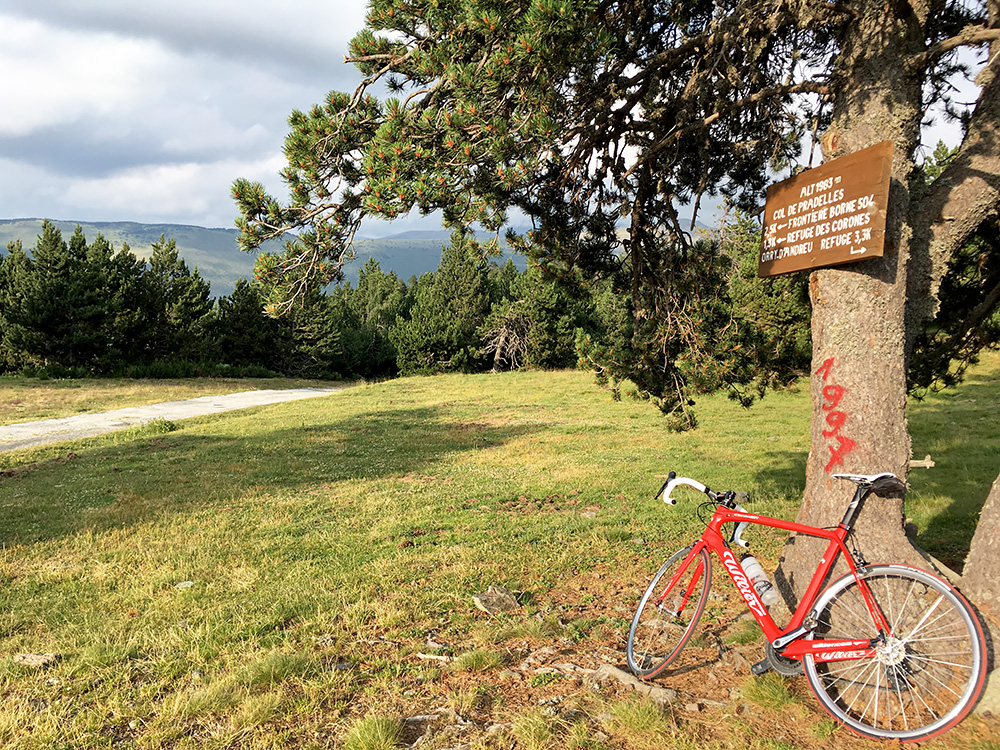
(777, 663)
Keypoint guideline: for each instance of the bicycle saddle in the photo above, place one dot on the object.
(880, 484)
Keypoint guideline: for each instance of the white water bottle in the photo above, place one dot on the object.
(767, 593)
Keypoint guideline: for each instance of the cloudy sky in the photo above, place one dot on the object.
(122, 110)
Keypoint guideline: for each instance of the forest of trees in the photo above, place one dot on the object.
(82, 308)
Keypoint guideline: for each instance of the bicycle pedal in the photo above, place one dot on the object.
(761, 667)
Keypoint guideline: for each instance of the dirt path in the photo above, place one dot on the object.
(30, 434)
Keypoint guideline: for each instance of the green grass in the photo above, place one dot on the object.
(326, 539)
(960, 430)
(747, 632)
(28, 399)
(536, 730)
(770, 691)
(478, 660)
(374, 733)
(644, 725)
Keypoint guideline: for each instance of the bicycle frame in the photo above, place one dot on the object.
(789, 641)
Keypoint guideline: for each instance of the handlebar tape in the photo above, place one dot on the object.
(681, 480)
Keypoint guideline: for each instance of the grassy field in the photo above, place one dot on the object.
(28, 399)
(960, 430)
(298, 576)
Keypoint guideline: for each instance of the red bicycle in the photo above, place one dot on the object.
(891, 651)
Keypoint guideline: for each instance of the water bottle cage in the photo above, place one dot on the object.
(758, 578)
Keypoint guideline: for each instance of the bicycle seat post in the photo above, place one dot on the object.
(881, 484)
(854, 507)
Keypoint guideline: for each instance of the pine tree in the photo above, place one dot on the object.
(585, 115)
(772, 316)
(505, 332)
(315, 350)
(181, 309)
(13, 265)
(87, 306)
(450, 307)
(556, 310)
(504, 282)
(131, 303)
(376, 303)
(3, 294)
(38, 326)
(511, 108)
(248, 336)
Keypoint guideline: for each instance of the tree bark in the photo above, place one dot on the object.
(981, 586)
(981, 579)
(982, 566)
(965, 195)
(858, 317)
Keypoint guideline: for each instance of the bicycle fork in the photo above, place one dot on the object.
(680, 600)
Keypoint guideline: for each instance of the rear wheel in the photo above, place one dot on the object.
(668, 612)
(927, 670)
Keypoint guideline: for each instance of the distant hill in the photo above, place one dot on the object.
(218, 257)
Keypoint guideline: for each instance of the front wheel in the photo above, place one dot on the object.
(668, 612)
(923, 675)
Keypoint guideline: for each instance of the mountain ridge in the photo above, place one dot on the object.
(216, 254)
(214, 251)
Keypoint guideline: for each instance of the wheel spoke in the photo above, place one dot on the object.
(898, 678)
(662, 625)
(930, 661)
(850, 618)
(888, 600)
(910, 687)
(916, 628)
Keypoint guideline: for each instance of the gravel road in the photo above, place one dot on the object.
(29, 434)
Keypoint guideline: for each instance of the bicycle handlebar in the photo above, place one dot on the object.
(673, 480)
(718, 497)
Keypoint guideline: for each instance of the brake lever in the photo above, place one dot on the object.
(670, 477)
(737, 535)
(740, 527)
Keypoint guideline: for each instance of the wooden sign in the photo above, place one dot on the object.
(829, 215)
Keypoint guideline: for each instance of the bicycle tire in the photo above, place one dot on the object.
(654, 641)
(925, 675)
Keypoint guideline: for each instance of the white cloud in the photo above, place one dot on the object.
(120, 111)
(120, 89)
(297, 32)
(184, 193)
(24, 188)
(56, 77)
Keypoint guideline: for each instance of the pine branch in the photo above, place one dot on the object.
(952, 346)
(970, 36)
(806, 87)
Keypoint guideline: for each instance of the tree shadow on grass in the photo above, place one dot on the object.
(783, 475)
(960, 430)
(120, 485)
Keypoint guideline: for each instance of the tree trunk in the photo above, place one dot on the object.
(858, 383)
(965, 195)
(981, 586)
(982, 566)
(981, 579)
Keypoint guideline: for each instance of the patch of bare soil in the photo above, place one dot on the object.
(575, 678)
